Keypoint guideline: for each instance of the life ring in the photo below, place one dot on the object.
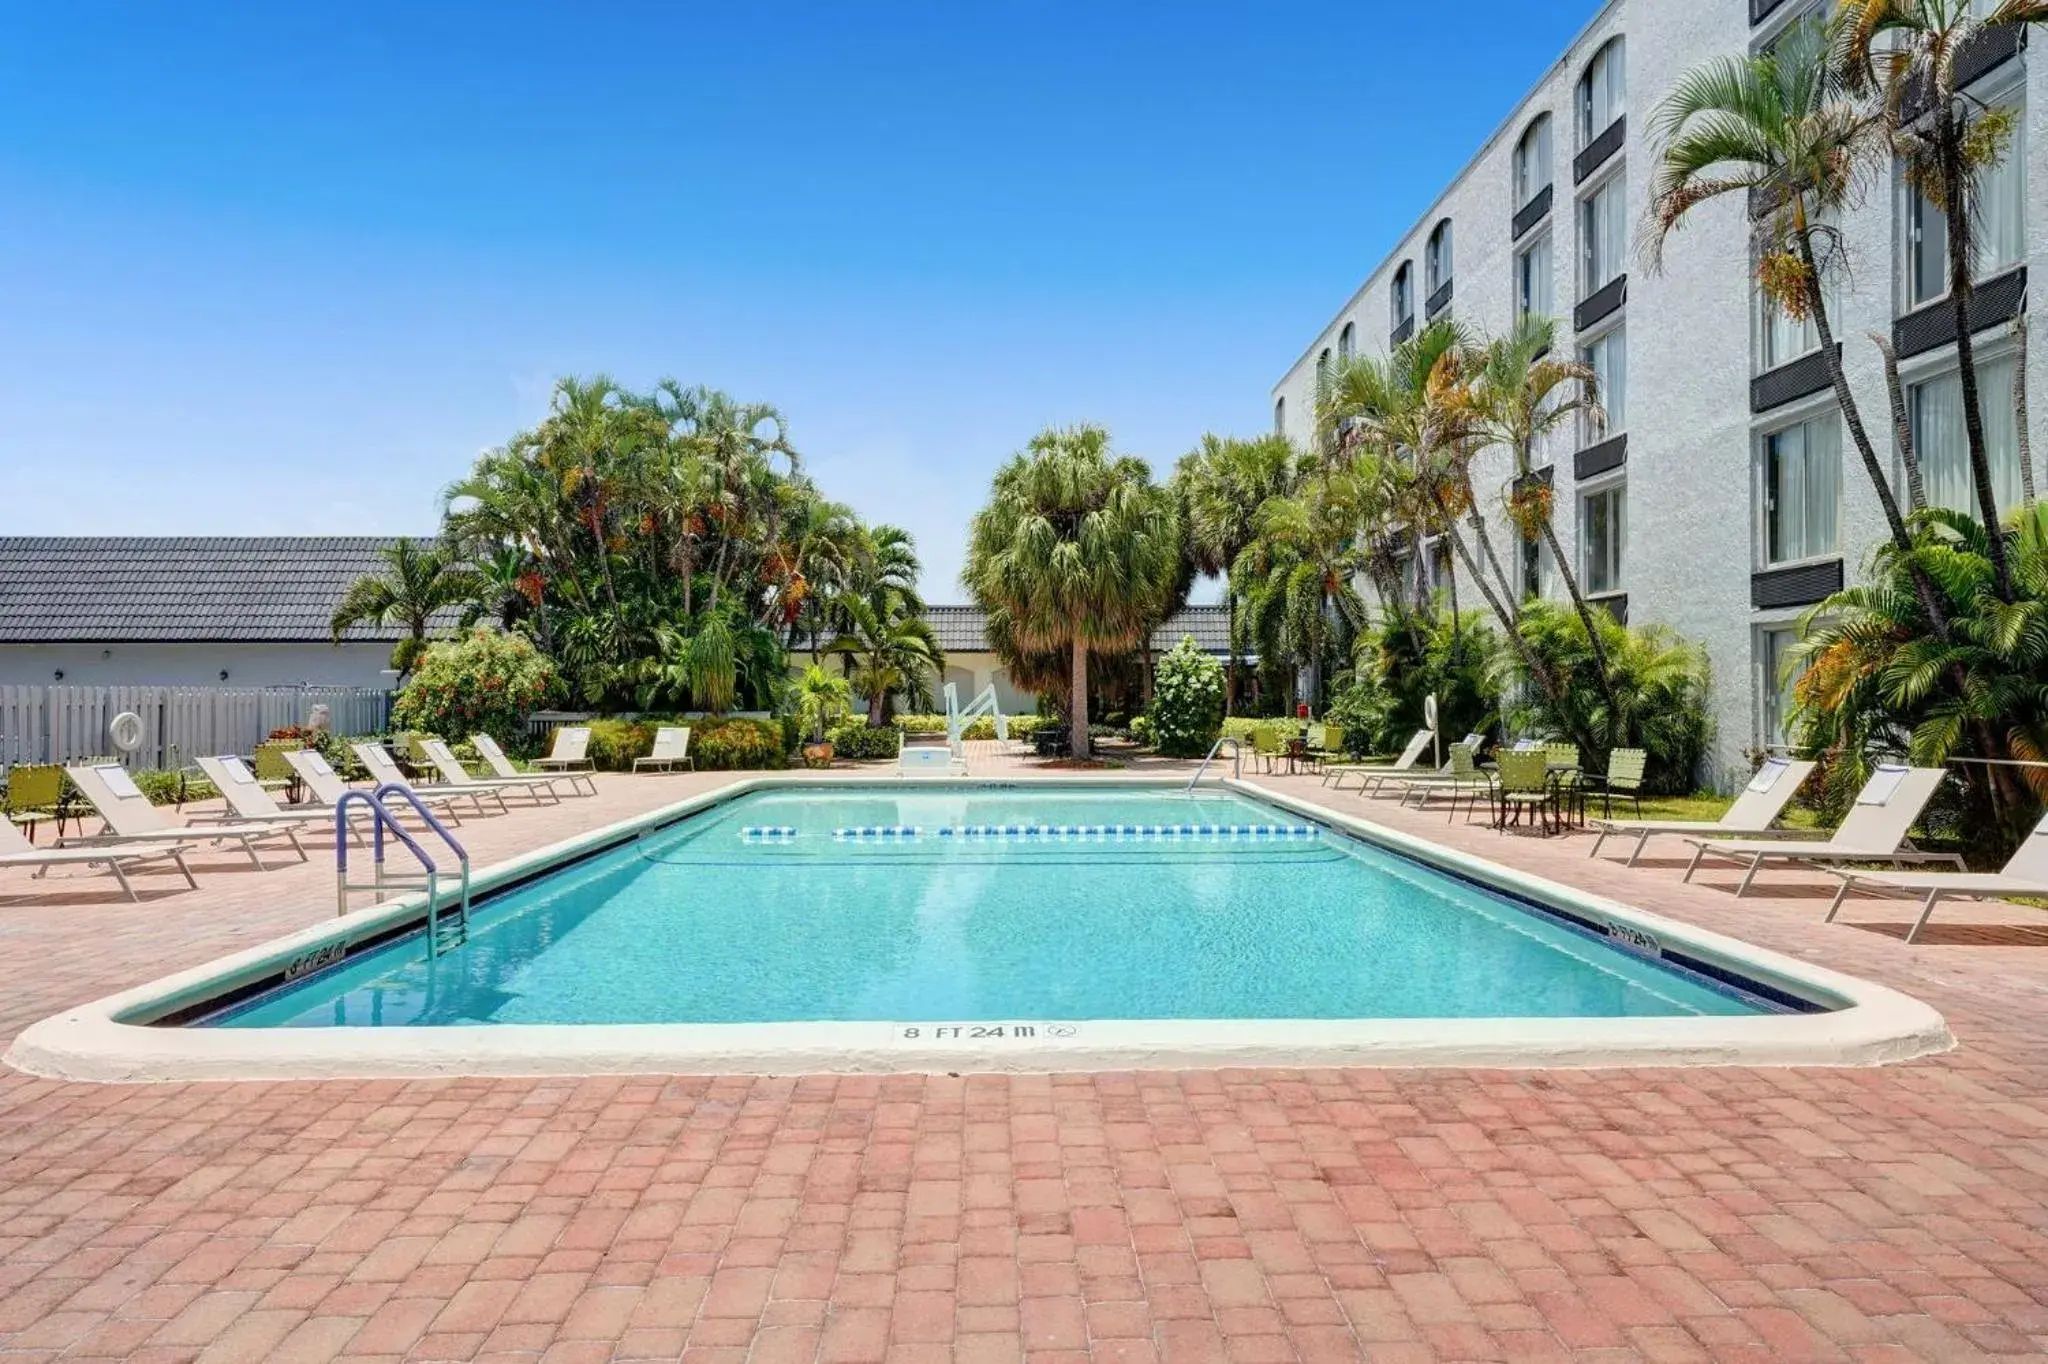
(126, 731)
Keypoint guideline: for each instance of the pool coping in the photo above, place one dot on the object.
(1872, 1025)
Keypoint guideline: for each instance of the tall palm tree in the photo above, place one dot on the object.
(1077, 548)
(1780, 129)
(419, 582)
(1907, 49)
(1221, 484)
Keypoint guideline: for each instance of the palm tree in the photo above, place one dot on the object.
(1780, 129)
(1076, 549)
(888, 647)
(820, 701)
(419, 582)
(1907, 49)
(1221, 484)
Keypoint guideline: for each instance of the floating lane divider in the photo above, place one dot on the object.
(769, 833)
(878, 832)
(1131, 832)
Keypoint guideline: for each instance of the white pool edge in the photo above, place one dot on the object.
(1875, 1025)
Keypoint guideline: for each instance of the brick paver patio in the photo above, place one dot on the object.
(1668, 1215)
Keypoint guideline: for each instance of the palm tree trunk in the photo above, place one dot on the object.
(1230, 663)
(1959, 289)
(1902, 429)
(1880, 482)
(1485, 539)
(1531, 660)
(2019, 408)
(1571, 587)
(1077, 712)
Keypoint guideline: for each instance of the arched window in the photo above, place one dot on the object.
(1346, 343)
(1532, 160)
(1322, 369)
(1279, 416)
(1603, 91)
(1402, 298)
(1436, 258)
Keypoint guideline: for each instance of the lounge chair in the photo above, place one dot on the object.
(503, 770)
(1403, 784)
(1461, 777)
(2024, 873)
(1752, 814)
(247, 801)
(671, 746)
(130, 818)
(1873, 831)
(385, 771)
(1333, 773)
(569, 751)
(457, 777)
(17, 851)
(324, 787)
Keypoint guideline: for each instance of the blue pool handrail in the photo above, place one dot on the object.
(382, 818)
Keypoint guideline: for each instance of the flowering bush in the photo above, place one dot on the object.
(480, 681)
(1187, 701)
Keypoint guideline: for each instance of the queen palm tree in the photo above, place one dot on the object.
(1077, 548)
(1221, 484)
(419, 581)
(1907, 49)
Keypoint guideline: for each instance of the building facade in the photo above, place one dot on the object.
(1723, 497)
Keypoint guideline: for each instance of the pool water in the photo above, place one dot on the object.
(1008, 914)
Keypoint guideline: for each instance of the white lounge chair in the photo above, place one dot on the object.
(17, 851)
(385, 771)
(1419, 782)
(247, 801)
(580, 783)
(1873, 831)
(671, 746)
(455, 776)
(2024, 873)
(569, 751)
(1752, 814)
(1334, 773)
(130, 818)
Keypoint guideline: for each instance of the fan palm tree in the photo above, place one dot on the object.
(1077, 548)
(418, 582)
(1907, 50)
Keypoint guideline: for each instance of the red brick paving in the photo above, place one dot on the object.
(1705, 1214)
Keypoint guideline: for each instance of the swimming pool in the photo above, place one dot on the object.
(781, 924)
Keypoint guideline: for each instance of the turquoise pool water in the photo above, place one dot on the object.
(980, 903)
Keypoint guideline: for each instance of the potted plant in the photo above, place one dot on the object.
(822, 700)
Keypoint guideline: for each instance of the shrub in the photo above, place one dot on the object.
(1365, 712)
(1455, 658)
(162, 787)
(854, 739)
(615, 743)
(1141, 729)
(1187, 701)
(1240, 727)
(484, 681)
(980, 727)
(732, 745)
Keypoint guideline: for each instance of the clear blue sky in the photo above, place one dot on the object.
(288, 268)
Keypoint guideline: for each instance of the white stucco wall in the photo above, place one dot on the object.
(247, 665)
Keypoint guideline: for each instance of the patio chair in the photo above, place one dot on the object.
(1873, 831)
(456, 776)
(1568, 778)
(271, 768)
(2024, 873)
(1752, 814)
(1266, 745)
(671, 746)
(130, 818)
(502, 769)
(1522, 782)
(17, 851)
(247, 801)
(1624, 777)
(568, 751)
(1402, 784)
(385, 771)
(1333, 773)
(35, 793)
(1462, 779)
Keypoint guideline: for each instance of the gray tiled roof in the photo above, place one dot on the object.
(227, 589)
(963, 629)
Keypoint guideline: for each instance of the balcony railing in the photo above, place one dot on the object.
(1601, 302)
(1932, 325)
(1439, 300)
(1991, 48)
(1793, 379)
(1799, 585)
(1404, 329)
(1531, 213)
(1598, 458)
(1760, 10)
(1598, 150)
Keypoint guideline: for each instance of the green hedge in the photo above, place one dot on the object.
(980, 727)
(853, 739)
(717, 745)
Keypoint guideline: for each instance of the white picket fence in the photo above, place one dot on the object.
(41, 724)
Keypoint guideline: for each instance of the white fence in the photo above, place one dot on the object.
(65, 724)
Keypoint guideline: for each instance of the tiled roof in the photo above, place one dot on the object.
(964, 629)
(206, 589)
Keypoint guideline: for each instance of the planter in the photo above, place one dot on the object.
(818, 755)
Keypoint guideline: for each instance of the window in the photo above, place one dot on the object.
(1322, 371)
(1603, 235)
(1532, 568)
(1780, 340)
(1935, 410)
(1603, 92)
(1279, 416)
(1436, 564)
(1436, 259)
(1603, 530)
(1346, 342)
(1607, 355)
(1532, 161)
(1533, 280)
(1402, 296)
(1999, 216)
(1800, 485)
(1774, 655)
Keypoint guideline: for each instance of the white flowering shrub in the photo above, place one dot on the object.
(1187, 701)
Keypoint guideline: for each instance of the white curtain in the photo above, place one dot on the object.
(1805, 491)
(1943, 447)
(1536, 283)
(2001, 209)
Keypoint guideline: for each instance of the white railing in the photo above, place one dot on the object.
(43, 724)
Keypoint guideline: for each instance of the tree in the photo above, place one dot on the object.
(1906, 50)
(882, 634)
(821, 701)
(419, 582)
(1077, 549)
(1221, 484)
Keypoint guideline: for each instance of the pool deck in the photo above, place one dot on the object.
(1871, 1214)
